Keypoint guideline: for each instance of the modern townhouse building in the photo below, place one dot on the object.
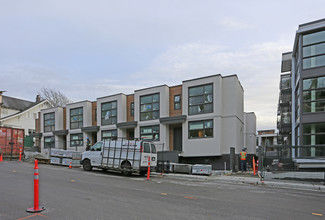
(285, 100)
(308, 89)
(201, 119)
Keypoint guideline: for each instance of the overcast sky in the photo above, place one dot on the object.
(90, 49)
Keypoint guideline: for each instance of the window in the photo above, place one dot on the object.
(132, 108)
(314, 95)
(112, 134)
(200, 99)
(109, 113)
(49, 142)
(76, 118)
(149, 107)
(49, 122)
(76, 140)
(314, 50)
(177, 102)
(150, 133)
(200, 129)
(314, 134)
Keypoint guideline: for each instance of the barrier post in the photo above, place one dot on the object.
(20, 154)
(148, 174)
(254, 166)
(36, 207)
(1, 159)
(70, 165)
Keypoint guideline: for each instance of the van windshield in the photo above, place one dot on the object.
(153, 149)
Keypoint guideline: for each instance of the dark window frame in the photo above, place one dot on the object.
(315, 43)
(111, 137)
(177, 102)
(52, 126)
(204, 129)
(132, 108)
(150, 133)
(112, 119)
(79, 122)
(144, 114)
(311, 90)
(49, 144)
(200, 105)
(79, 141)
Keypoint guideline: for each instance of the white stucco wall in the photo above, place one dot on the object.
(25, 120)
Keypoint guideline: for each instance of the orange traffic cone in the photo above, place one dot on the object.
(1, 158)
(70, 165)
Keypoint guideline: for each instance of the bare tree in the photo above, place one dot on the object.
(56, 98)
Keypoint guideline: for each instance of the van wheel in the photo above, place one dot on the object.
(126, 166)
(86, 165)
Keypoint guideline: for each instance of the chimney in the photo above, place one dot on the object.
(38, 98)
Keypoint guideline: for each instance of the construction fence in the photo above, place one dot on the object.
(292, 162)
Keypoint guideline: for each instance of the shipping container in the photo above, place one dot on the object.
(11, 140)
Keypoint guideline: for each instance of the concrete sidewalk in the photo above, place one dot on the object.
(247, 178)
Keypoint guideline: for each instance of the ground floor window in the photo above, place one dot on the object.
(76, 140)
(200, 129)
(314, 135)
(150, 133)
(109, 135)
(49, 142)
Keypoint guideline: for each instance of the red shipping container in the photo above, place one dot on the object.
(14, 135)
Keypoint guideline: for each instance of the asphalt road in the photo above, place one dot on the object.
(77, 194)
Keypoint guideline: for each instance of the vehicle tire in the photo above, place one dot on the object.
(86, 165)
(126, 168)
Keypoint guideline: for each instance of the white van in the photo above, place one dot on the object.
(127, 156)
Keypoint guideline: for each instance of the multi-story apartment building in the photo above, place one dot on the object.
(201, 119)
(285, 97)
(308, 88)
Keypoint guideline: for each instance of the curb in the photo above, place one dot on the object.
(247, 180)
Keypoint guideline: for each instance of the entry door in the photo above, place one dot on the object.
(178, 139)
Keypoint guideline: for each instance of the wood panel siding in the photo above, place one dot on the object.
(94, 114)
(129, 100)
(175, 90)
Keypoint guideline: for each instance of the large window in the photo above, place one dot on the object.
(49, 142)
(109, 113)
(200, 129)
(76, 118)
(49, 122)
(111, 134)
(314, 50)
(76, 140)
(314, 134)
(149, 107)
(150, 133)
(314, 94)
(200, 99)
(177, 102)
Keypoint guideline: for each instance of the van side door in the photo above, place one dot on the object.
(96, 154)
(145, 154)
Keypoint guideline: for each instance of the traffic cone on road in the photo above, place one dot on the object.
(70, 165)
(1, 158)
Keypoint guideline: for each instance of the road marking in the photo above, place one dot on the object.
(186, 197)
(30, 216)
(73, 181)
(14, 171)
(318, 214)
(163, 194)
